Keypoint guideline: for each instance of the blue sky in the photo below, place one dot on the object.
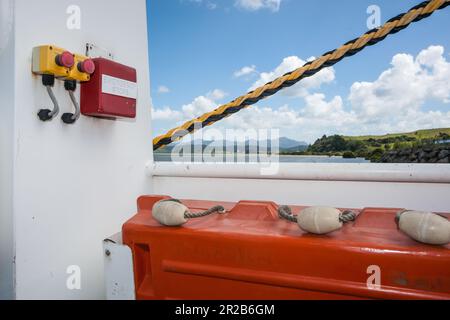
(206, 52)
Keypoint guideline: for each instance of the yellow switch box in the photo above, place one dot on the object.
(49, 59)
(44, 61)
(75, 73)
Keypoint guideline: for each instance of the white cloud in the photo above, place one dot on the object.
(255, 5)
(197, 107)
(216, 95)
(404, 88)
(318, 116)
(300, 89)
(209, 4)
(163, 89)
(166, 114)
(245, 71)
(394, 102)
(308, 122)
(318, 107)
(398, 94)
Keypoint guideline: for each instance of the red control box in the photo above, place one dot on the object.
(111, 92)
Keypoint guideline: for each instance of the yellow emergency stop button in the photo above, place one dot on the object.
(53, 60)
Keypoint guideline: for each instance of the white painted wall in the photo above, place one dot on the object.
(75, 185)
(63, 189)
(343, 194)
(6, 150)
(411, 186)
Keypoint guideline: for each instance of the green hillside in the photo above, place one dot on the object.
(419, 134)
(374, 147)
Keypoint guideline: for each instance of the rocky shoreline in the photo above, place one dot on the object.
(423, 154)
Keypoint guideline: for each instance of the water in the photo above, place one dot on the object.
(320, 159)
(166, 157)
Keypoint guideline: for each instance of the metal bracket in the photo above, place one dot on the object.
(119, 275)
(94, 51)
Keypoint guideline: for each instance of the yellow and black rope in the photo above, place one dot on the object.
(394, 25)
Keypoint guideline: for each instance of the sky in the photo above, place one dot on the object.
(204, 53)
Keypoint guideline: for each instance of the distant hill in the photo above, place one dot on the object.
(298, 148)
(375, 147)
(285, 144)
(419, 134)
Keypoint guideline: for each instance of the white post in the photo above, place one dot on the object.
(6, 149)
(65, 188)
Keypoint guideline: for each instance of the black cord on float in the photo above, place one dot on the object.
(216, 209)
(285, 212)
(191, 215)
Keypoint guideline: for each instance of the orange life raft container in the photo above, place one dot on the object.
(249, 253)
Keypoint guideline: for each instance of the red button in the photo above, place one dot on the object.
(65, 59)
(87, 66)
